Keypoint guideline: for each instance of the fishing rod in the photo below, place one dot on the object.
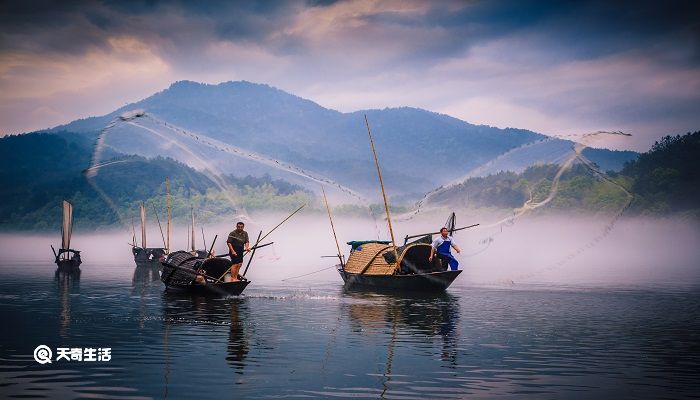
(278, 225)
(435, 233)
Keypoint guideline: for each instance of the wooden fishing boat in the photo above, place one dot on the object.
(151, 257)
(181, 268)
(382, 265)
(373, 264)
(148, 257)
(66, 258)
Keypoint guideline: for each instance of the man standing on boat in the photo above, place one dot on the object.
(237, 243)
(442, 245)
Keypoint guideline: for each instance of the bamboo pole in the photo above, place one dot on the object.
(337, 245)
(143, 226)
(252, 254)
(167, 194)
(278, 225)
(159, 226)
(192, 212)
(133, 232)
(381, 183)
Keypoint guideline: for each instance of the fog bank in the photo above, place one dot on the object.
(552, 250)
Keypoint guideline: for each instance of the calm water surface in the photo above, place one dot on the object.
(314, 340)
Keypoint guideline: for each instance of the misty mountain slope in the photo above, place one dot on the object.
(412, 143)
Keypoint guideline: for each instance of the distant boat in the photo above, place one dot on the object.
(381, 265)
(67, 258)
(146, 256)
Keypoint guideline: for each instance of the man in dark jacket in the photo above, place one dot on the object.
(237, 243)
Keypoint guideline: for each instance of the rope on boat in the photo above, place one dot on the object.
(310, 273)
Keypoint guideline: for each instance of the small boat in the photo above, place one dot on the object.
(382, 265)
(373, 264)
(181, 268)
(151, 256)
(66, 258)
(148, 257)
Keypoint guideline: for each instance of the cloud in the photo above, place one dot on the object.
(546, 66)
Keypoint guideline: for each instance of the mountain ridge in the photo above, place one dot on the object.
(412, 142)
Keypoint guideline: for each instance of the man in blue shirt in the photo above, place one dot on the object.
(441, 246)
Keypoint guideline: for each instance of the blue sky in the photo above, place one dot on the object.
(558, 68)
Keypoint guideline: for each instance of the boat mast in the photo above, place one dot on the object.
(143, 226)
(340, 254)
(381, 183)
(133, 232)
(67, 226)
(167, 191)
(192, 212)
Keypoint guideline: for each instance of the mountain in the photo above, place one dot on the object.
(665, 180)
(39, 170)
(263, 142)
(418, 149)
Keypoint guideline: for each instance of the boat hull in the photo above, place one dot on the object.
(68, 265)
(424, 282)
(149, 257)
(210, 289)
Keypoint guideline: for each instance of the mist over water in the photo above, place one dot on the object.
(538, 249)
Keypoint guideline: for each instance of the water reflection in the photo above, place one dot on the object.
(414, 315)
(196, 311)
(238, 337)
(144, 277)
(67, 283)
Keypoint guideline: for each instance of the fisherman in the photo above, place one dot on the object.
(441, 246)
(237, 242)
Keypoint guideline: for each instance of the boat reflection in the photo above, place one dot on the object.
(199, 310)
(67, 283)
(144, 277)
(416, 316)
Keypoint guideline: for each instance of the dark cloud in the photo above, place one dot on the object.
(503, 49)
(575, 29)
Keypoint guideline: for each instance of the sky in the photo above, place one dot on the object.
(558, 68)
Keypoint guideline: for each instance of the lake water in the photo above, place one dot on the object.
(315, 340)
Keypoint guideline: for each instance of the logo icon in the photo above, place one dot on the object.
(43, 354)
